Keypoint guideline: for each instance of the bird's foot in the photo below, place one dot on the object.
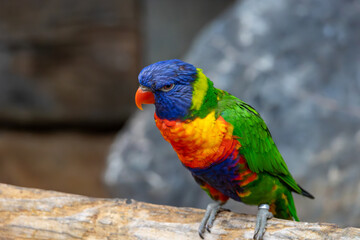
(262, 216)
(209, 217)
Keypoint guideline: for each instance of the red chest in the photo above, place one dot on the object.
(201, 142)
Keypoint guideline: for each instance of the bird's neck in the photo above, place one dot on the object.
(205, 97)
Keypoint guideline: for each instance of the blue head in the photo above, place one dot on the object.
(170, 82)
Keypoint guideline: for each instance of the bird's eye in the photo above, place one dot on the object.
(167, 88)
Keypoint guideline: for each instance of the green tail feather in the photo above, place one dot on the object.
(285, 206)
(306, 193)
(292, 208)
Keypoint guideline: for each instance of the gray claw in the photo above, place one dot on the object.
(261, 219)
(209, 218)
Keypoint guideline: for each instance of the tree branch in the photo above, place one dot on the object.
(38, 214)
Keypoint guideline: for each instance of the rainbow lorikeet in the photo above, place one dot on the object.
(221, 140)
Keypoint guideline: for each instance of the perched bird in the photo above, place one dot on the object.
(221, 140)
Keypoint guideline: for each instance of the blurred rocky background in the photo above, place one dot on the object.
(68, 74)
(298, 64)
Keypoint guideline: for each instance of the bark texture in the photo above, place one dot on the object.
(38, 214)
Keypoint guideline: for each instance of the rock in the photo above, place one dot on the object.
(167, 24)
(297, 63)
(65, 62)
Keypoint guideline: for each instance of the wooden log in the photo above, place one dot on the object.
(38, 214)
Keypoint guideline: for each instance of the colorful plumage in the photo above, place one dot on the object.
(220, 139)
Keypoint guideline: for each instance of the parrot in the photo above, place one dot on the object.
(221, 140)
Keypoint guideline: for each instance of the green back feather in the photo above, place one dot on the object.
(257, 145)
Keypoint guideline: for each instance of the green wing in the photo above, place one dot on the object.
(257, 145)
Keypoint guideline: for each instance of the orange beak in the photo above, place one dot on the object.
(143, 97)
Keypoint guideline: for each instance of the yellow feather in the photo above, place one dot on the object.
(244, 194)
(200, 88)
